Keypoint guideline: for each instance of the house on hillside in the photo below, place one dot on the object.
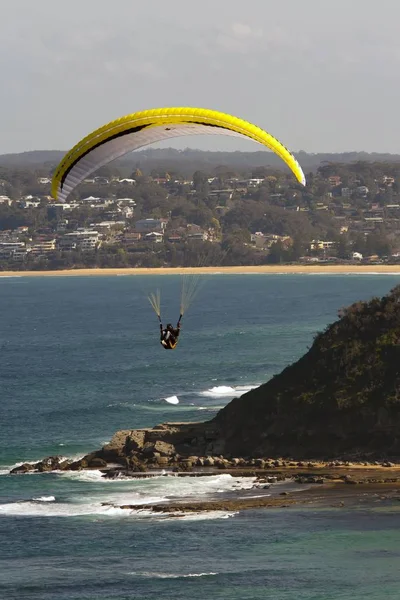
(334, 180)
(154, 236)
(321, 245)
(85, 239)
(151, 225)
(130, 238)
(42, 246)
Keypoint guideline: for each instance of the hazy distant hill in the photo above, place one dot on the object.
(31, 159)
(190, 160)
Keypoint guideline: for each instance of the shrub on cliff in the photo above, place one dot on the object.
(342, 396)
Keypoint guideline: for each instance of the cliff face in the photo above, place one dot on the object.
(341, 397)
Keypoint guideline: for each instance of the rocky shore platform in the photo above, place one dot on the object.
(192, 450)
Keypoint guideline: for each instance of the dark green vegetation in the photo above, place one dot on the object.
(341, 398)
(213, 205)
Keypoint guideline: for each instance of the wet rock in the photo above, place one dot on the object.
(184, 466)
(78, 465)
(135, 465)
(272, 479)
(65, 465)
(25, 468)
(162, 461)
(301, 480)
(111, 474)
(97, 463)
(51, 463)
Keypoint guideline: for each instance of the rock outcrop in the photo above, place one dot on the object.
(341, 399)
(170, 444)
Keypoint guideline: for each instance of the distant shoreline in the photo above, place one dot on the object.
(240, 270)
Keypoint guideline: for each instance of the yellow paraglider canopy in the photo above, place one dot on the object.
(146, 127)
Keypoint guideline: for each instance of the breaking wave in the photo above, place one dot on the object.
(172, 400)
(226, 390)
(104, 497)
(44, 499)
(171, 575)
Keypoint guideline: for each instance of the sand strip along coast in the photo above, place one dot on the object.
(240, 270)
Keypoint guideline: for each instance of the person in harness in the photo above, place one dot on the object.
(169, 336)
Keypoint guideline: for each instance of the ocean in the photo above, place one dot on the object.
(80, 359)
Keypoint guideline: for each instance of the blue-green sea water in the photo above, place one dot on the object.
(80, 359)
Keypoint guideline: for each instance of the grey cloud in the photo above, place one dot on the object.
(318, 77)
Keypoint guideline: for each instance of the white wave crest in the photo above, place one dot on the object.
(172, 400)
(44, 499)
(54, 509)
(202, 516)
(163, 485)
(105, 497)
(171, 575)
(226, 390)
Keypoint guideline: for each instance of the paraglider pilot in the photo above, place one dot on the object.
(169, 335)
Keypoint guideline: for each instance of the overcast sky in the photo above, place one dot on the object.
(319, 75)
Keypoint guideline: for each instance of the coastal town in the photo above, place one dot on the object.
(347, 214)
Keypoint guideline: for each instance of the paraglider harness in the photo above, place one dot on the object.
(169, 336)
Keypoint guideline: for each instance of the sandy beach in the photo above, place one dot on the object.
(240, 270)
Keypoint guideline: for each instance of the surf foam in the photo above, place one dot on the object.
(172, 400)
(226, 390)
(171, 575)
(44, 499)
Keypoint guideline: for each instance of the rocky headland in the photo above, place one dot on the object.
(332, 418)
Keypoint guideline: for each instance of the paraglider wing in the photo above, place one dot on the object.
(146, 127)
